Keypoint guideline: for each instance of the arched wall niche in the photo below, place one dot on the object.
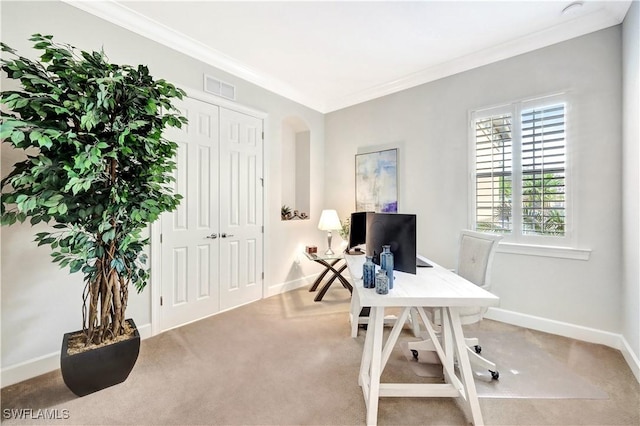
(296, 175)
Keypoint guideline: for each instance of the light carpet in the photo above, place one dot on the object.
(288, 360)
(526, 371)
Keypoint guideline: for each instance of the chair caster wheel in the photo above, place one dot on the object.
(494, 375)
(415, 354)
(477, 348)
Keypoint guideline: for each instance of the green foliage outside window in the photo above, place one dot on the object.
(543, 206)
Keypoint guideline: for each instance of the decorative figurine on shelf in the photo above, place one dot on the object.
(382, 282)
(285, 212)
(386, 263)
(368, 273)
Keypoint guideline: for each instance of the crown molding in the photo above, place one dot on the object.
(118, 14)
(595, 21)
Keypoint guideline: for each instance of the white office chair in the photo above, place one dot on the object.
(475, 258)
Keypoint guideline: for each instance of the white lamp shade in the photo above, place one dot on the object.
(329, 220)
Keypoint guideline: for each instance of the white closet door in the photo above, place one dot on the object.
(190, 253)
(241, 209)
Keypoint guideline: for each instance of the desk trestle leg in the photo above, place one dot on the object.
(370, 369)
(470, 395)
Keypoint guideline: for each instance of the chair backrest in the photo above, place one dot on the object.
(475, 257)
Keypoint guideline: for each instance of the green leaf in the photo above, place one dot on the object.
(151, 107)
(17, 136)
(117, 264)
(75, 266)
(21, 103)
(45, 142)
(46, 241)
(35, 135)
(109, 235)
(5, 132)
(8, 218)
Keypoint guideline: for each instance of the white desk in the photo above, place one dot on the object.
(434, 287)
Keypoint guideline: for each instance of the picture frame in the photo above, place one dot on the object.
(376, 176)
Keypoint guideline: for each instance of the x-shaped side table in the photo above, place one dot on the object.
(330, 263)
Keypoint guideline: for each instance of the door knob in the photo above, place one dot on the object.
(224, 235)
(212, 236)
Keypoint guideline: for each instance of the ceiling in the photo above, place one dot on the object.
(330, 55)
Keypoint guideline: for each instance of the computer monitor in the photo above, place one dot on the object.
(357, 229)
(396, 230)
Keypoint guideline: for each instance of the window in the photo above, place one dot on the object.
(520, 170)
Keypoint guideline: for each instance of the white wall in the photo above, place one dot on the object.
(430, 123)
(41, 302)
(296, 178)
(631, 179)
(288, 174)
(303, 177)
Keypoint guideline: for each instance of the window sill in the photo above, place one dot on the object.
(545, 251)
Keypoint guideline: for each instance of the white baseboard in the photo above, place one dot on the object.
(289, 285)
(31, 368)
(631, 358)
(573, 331)
(44, 364)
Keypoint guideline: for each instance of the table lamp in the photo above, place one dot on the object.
(329, 221)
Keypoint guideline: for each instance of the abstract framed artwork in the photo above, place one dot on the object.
(377, 181)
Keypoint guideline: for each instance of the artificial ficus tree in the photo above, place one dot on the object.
(97, 167)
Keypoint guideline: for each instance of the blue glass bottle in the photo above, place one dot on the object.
(369, 273)
(386, 263)
(382, 282)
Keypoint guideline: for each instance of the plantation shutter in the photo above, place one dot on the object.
(543, 171)
(493, 173)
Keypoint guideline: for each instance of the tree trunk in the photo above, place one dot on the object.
(107, 302)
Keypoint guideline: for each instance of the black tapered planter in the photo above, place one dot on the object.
(99, 368)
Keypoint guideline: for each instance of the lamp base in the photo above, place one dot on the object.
(329, 252)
